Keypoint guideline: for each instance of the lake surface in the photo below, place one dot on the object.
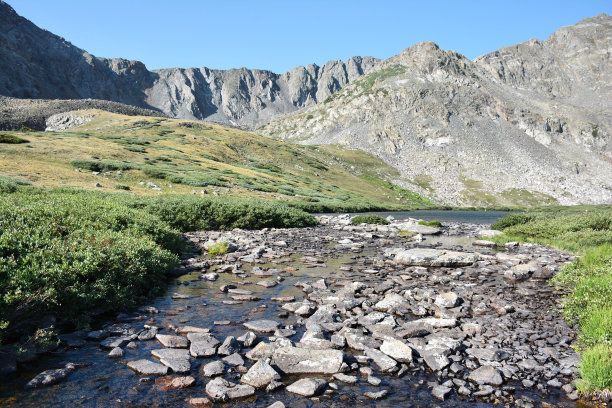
(471, 217)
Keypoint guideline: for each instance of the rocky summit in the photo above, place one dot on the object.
(528, 124)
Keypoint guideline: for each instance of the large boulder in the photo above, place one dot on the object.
(260, 375)
(434, 257)
(293, 360)
(221, 390)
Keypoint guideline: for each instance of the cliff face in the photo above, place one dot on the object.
(35, 63)
(506, 128)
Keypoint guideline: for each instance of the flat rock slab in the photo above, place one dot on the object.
(260, 375)
(294, 360)
(262, 326)
(147, 367)
(308, 387)
(221, 390)
(176, 354)
(112, 342)
(420, 229)
(167, 340)
(397, 349)
(192, 329)
(434, 257)
(380, 359)
(174, 383)
(213, 369)
(267, 283)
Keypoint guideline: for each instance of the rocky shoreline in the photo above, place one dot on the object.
(438, 309)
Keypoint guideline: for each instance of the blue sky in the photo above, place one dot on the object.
(279, 35)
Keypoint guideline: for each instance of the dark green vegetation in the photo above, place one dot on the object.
(369, 219)
(72, 253)
(432, 223)
(11, 139)
(586, 231)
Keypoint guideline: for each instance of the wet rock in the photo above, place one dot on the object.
(349, 379)
(376, 395)
(260, 375)
(174, 383)
(167, 340)
(435, 360)
(274, 385)
(262, 326)
(73, 340)
(230, 346)
(202, 344)
(148, 334)
(520, 272)
(213, 369)
(488, 353)
(248, 339)
(261, 350)
(117, 352)
(484, 243)
(112, 342)
(98, 335)
(486, 375)
(308, 387)
(191, 329)
(277, 404)
(147, 367)
(51, 377)
(397, 349)
(211, 276)
(200, 402)
(380, 359)
(233, 360)
(293, 360)
(221, 390)
(176, 359)
(440, 392)
(267, 283)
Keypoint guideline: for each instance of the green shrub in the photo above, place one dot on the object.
(220, 248)
(155, 173)
(121, 187)
(12, 139)
(433, 223)
(596, 369)
(369, 219)
(97, 165)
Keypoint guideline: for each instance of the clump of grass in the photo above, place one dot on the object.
(12, 139)
(220, 248)
(97, 165)
(121, 187)
(432, 223)
(596, 369)
(369, 219)
(406, 233)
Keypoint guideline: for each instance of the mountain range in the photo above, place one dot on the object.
(527, 122)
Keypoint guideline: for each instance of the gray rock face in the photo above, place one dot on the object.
(398, 350)
(308, 387)
(499, 128)
(213, 369)
(172, 341)
(293, 360)
(51, 67)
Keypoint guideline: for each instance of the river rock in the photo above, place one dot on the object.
(167, 340)
(147, 367)
(486, 375)
(230, 346)
(397, 349)
(434, 257)
(260, 375)
(112, 342)
(221, 390)
(51, 377)
(117, 352)
(376, 395)
(390, 301)
(440, 392)
(174, 383)
(308, 387)
(233, 360)
(293, 360)
(213, 369)
(448, 300)
(262, 326)
(380, 359)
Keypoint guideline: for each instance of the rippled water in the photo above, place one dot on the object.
(109, 383)
(471, 217)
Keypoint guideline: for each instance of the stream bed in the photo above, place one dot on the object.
(514, 318)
